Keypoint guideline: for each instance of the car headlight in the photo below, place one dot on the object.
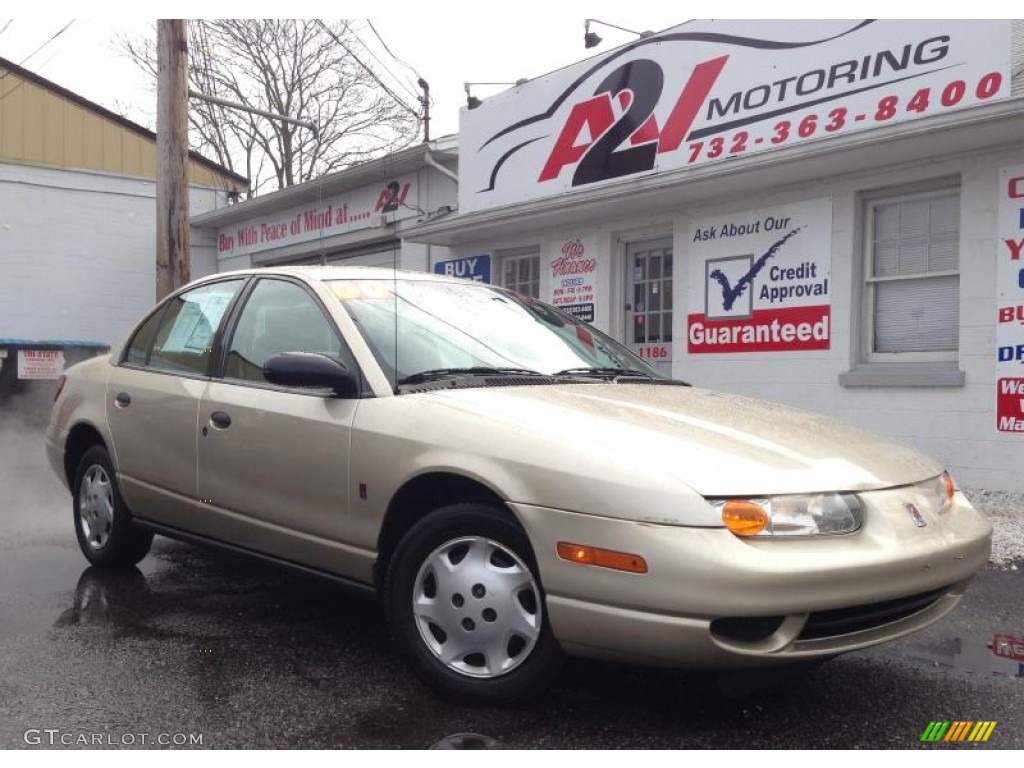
(941, 491)
(813, 514)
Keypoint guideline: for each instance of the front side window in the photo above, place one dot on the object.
(188, 327)
(913, 277)
(279, 316)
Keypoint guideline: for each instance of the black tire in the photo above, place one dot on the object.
(108, 538)
(497, 534)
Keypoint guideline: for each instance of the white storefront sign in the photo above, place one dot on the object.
(40, 363)
(573, 283)
(707, 91)
(363, 208)
(760, 280)
(1010, 310)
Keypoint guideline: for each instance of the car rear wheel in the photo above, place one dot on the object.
(103, 524)
(466, 606)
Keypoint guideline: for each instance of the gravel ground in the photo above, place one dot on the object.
(1006, 513)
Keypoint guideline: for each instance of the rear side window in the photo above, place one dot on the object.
(138, 347)
(189, 325)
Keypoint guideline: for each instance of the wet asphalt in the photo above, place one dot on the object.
(244, 654)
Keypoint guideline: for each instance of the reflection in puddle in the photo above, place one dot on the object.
(105, 598)
(467, 741)
(979, 657)
(976, 656)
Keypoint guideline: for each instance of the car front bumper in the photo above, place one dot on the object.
(713, 600)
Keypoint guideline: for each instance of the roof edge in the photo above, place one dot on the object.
(107, 114)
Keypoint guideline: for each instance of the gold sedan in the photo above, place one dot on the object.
(511, 481)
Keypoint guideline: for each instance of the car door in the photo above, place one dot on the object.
(274, 461)
(153, 401)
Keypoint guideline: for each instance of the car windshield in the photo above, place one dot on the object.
(419, 328)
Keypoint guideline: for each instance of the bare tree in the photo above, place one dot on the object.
(291, 67)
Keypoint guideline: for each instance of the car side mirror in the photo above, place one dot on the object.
(310, 370)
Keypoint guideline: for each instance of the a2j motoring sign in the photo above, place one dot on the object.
(710, 91)
(760, 280)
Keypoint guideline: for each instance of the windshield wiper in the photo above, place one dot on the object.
(603, 372)
(480, 370)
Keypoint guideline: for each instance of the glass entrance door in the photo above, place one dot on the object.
(649, 301)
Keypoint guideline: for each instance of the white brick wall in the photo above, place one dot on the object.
(77, 252)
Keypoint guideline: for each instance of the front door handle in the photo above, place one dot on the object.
(123, 399)
(220, 420)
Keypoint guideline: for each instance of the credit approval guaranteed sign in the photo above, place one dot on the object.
(760, 280)
(707, 91)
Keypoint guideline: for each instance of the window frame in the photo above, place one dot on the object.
(516, 255)
(161, 309)
(868, 281)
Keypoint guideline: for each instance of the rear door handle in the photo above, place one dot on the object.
(220, 420)
(123, 399)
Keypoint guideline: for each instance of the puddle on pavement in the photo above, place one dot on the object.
(467, 741)
(1000, 655)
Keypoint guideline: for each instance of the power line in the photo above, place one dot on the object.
(369, 71)
(408, 88)
(404, 63)
(53, 37)
(6, 26)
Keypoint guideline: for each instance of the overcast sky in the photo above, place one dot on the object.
(447, 49)
(454, 43)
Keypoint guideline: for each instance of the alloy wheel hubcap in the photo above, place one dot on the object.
(96, 506)
(477, 607)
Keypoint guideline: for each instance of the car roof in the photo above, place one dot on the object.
(315, 272)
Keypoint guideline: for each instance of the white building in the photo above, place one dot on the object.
(78, 226)
(358, 216)
(823, 213)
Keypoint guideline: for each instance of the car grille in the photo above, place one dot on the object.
(843, 621)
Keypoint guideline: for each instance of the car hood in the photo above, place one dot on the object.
(717, 444)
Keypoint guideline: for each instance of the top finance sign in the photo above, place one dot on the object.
(706, 91)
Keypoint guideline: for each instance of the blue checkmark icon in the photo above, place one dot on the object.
(732, 292)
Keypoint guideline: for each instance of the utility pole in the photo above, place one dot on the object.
(425, 101)
(173, 263)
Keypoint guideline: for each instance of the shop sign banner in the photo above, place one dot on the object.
(1010, 309)
(573, 283)
(709, 91)
(760, 280)
(360, 209)
(40, 363)
(477, 268)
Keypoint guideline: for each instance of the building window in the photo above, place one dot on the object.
(912, 290)
(520, 272)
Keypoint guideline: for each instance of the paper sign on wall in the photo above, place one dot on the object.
(760, 280)
(40, 363)
(573, 266)
(1010, 309)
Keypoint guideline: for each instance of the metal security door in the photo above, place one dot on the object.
(649, 302)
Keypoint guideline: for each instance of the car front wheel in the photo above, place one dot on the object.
(467, 609)
(103, 524)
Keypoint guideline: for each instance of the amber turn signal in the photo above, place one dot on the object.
(947, 480)
(604, 558)
(744, 518)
